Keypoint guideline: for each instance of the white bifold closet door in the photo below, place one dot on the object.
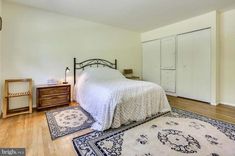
(151, 61)
(168, 80)
(194, 65)
(168, 54)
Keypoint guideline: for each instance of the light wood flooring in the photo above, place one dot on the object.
(31, 131)
(220, 112)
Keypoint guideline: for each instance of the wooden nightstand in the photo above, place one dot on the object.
(128, 73)
(133, 77)
(53, 95)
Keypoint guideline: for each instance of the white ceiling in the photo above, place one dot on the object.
(137, 15)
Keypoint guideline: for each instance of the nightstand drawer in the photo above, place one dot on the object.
(54, 100)
(44, 92)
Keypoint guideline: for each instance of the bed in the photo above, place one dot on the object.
(112, 99)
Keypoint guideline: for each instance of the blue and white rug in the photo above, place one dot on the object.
(171, 134)
(68, 120)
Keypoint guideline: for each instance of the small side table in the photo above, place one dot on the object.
(7, 112)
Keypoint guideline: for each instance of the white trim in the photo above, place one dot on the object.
(176, 34)
(227, 103)
(214, 104)
(171, 94)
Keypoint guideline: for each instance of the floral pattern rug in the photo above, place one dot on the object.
(168, 134)
(67, 120)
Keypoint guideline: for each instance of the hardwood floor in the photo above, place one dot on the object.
(219, 112)
(31, 131)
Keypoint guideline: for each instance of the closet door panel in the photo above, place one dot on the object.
(168, 53)
(151, 61)
(184, 66)
(193, 65)
(168, 80)
(202, 65)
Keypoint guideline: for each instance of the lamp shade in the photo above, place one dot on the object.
(65, 75)
(67, 69)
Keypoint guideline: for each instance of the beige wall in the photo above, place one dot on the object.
(227, 57)
(196, 23)
(0, 56)
(40, 44)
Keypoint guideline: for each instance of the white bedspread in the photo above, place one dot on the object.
(119, 101)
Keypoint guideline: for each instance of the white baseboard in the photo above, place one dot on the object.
(171, 94)
(227, 103)
(214, 103)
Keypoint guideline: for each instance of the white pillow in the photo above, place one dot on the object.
(101, 74)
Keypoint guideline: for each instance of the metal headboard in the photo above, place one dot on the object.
(90, 63)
